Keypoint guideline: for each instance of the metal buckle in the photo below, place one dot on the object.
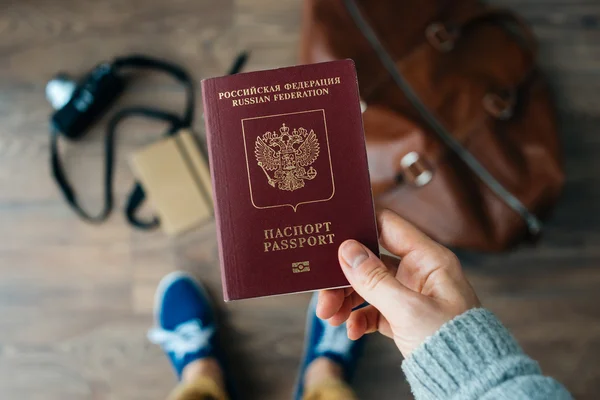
(441, 37)
(363, 106)
(498, 106)
(416, 171)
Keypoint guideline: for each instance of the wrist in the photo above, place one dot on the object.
(464, 350)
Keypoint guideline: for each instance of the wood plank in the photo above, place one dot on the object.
(76, 300)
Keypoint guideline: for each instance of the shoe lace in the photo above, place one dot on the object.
(188, 337)
(334, 340)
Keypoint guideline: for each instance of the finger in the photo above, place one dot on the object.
(350, 302)
(391, 263)
(399, 236)
(342, 315)
(370, 278)
(421, 256)
(330, 302)
(367, 320)
(356, 300)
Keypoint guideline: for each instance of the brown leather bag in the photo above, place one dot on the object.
(461, 130)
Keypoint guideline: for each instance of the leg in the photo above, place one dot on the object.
(324, 380)
(329, 360)
(201, 380)
(185, 329)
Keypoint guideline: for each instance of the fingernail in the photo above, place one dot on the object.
(353, 253)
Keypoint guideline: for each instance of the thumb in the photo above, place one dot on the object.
(371, 279)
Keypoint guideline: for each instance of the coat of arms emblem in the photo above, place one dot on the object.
(286, 157)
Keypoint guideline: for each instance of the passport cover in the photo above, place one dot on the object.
(290, 176)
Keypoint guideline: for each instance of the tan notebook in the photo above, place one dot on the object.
(176, 179)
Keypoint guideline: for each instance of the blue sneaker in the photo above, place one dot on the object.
(185, 323)
(324, 340)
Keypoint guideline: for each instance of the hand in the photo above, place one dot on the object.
(410, 298)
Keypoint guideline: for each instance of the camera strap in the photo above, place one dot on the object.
(109, 75)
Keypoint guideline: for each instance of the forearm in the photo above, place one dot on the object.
(475, 357)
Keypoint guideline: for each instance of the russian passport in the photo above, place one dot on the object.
(290, 177)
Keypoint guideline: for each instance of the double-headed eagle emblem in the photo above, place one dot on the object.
(288, 154)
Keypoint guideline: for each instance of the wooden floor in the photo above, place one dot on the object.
(75, 299)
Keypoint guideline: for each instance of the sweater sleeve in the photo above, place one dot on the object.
(475, 357)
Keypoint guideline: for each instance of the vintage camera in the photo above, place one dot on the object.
(79, 104)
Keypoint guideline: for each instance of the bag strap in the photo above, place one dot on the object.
(534, 225)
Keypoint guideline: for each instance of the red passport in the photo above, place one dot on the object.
(290, 177)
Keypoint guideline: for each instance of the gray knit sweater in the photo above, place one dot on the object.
(475, 357)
